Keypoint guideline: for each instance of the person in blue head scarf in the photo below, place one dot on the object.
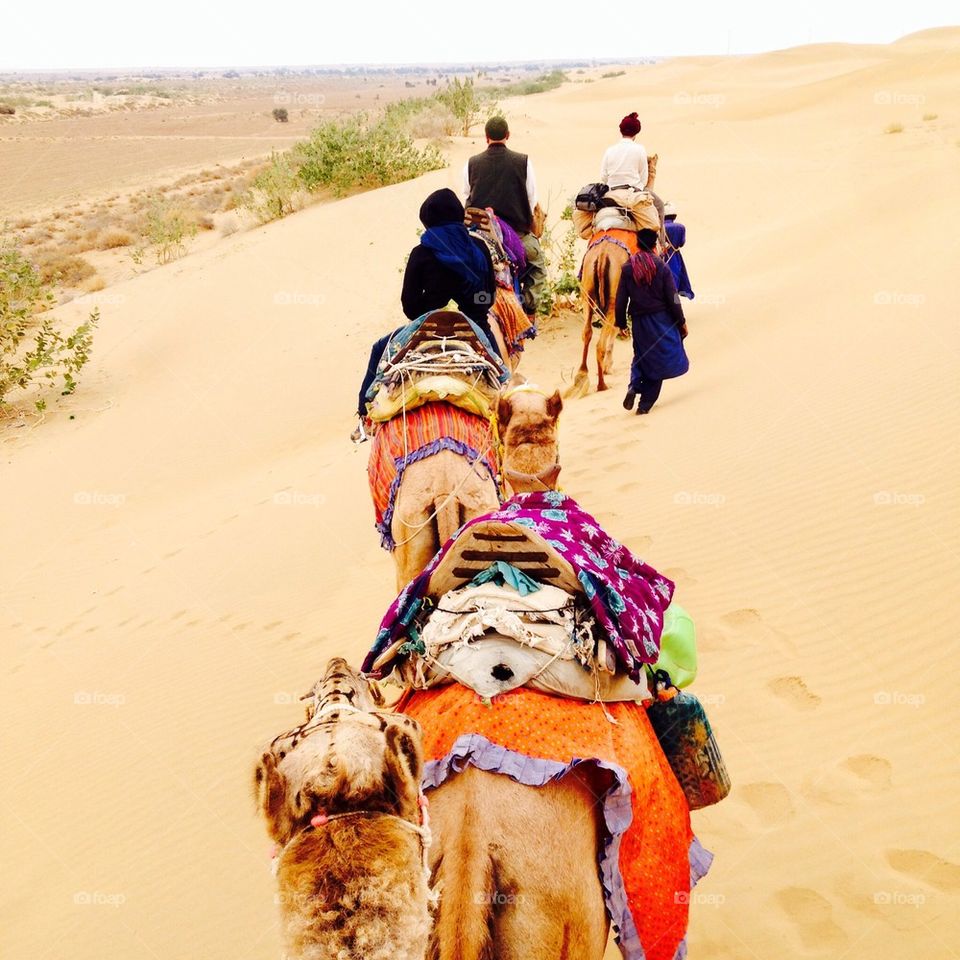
(448, 264)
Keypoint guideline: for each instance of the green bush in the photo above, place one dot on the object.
(30, 345)
(524, 88)
(466, 103)
(357, 152)
(562, 287)
(168, 229)
(273, 191)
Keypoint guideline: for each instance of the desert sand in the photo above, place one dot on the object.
(183, 555)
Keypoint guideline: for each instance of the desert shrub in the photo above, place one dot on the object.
(168, 230)
(930, 116)
(61, 267)
(111, 239)
(280, 114)
(357, 152)
(524, 88)
(562, 287)
(610, 73)
(94, 283)
(273, 192)
(894, 128)
(466, 103)
(31, 346)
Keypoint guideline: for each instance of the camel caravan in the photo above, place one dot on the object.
(530, 787)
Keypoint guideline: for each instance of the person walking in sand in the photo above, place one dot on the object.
(648, 295)
(676, 237)
(502, 179)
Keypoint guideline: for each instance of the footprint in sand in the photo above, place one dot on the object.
(856, 776)
(680, 577)
(794, 691)
(290, 636)
(770, 802)
(926, 867)
(751, 627)
(812, 917)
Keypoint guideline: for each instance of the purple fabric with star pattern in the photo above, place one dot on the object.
(626, 595)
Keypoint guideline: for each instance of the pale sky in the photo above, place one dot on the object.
(62, 34)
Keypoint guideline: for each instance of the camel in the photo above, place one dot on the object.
(602, 266)
(341, 798)
(528, 430)
(436, 496)
(440, 492)
(510, 888)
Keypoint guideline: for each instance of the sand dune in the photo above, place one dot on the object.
(183, 556)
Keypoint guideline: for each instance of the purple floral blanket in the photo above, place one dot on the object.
(627, 596)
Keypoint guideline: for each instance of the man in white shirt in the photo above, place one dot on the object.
(625, 163)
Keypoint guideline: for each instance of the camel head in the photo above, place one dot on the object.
(346, 757)
(528, 428)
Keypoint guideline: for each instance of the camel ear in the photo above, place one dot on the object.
(405, 759)
(554, 405)
(504, 412)
(271, 795)
(375, 691)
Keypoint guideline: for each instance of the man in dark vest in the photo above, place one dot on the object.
(503, 179)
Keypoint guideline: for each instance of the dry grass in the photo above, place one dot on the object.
(930, 116)
(93, 284)
(65, 270)
(111, 239)
(894, 128)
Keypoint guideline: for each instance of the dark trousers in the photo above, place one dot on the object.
(645, 387)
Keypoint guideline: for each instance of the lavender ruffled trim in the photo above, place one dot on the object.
(700, 860)
(476, 750)
(427, 450)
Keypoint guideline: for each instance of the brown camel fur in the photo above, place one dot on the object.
(352, 887)
(602, 266)
(439, 494)
(516, 867)
(436, 497)
(528, 428)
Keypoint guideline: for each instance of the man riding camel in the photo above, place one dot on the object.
(629, 204)
(503, 179)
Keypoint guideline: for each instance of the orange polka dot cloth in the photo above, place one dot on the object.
(650, 858)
